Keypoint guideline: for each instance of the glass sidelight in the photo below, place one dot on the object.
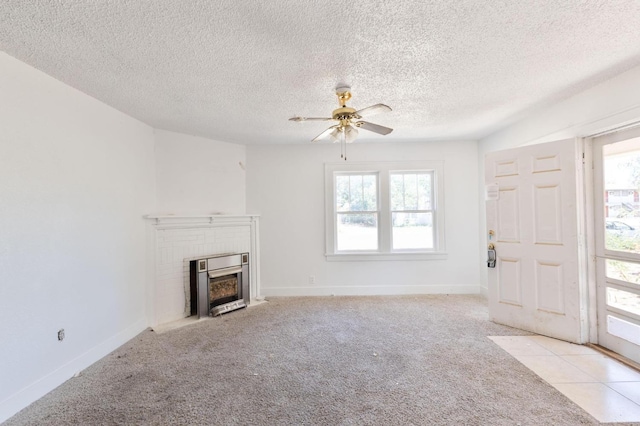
(617, 203)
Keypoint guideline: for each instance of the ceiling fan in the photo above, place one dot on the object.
(349, 120)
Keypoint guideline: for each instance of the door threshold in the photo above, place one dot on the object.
(616, 356)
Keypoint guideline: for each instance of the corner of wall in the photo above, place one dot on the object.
(46, 384)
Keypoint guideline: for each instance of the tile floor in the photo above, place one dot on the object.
(602, 386)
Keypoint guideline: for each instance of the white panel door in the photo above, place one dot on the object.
(617, 221)
(534, 227)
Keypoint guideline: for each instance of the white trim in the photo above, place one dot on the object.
(150, 303)
(46, 384)
(582, 240)
(590, 261)
(385, 251)
(254, 265)
(359, 257)
(389, 290)
(189, 221)
(194, 216)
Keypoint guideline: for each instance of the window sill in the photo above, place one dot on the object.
(363, 257)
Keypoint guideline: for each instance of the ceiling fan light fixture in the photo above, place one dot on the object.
(335, 135)
(350, 134)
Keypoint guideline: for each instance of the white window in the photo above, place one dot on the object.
(356, 212)
(412, 210)
(379, 211)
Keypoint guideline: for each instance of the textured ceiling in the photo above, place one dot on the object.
(236, 70)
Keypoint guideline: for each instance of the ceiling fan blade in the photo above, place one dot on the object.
(310, 119)
(326, 133)
(376, 128)
(373, 109)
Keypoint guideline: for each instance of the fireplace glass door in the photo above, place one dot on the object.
(223, 289)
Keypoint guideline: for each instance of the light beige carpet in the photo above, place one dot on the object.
(401, 360)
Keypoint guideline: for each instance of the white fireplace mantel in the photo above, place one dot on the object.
(173, 238)
(180, 220)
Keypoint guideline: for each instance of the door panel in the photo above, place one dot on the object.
(546, 164)
(508, 215)
(509, 283)
(550, 287)
(506, 167)
(548, 215)
(535, 233)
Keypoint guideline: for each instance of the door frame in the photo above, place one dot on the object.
(580, 316)
(590, 214)
(585, 198)
(598, 124)
(585, 235)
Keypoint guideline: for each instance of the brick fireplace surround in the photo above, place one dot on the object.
(173, 239)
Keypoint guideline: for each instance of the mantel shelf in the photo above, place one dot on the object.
(194, 219)
(191, 216)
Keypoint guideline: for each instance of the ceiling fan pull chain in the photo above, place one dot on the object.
(344, 141)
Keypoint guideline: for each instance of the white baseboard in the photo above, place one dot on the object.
(484, 291)
(36, 390)
(369, 290)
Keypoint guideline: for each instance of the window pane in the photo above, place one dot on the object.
(370, 192)
(424, 191)
(397, 192)
(342, 193)
(356, 193)
(623, 271)
(410, 191)
(623, 300)
(412, 231)
(357, 231)
(623, 329)
(356, 196)
(621, 163)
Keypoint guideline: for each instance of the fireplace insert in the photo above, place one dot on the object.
(219, 284)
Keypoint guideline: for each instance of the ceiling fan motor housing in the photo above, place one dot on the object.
(343, 113)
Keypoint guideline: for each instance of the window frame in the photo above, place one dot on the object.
(336, 213)
(385, 226)
(432, 210)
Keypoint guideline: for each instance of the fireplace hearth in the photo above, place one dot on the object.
(219, 284)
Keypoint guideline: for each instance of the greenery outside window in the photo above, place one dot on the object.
(356, 211)
(384, 211)
(412, 210)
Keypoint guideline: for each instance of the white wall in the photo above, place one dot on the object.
(76, 178)
(608, 105)
(285, 185)
(196, 175)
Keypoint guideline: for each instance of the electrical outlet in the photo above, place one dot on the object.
(61, 334)
(312, 279)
